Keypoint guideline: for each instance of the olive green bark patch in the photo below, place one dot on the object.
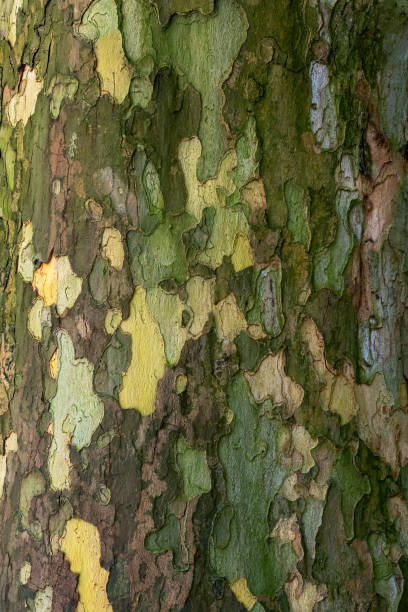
(167, 8)
(213, 43)
(298, 202)
(168, 311)
(99, 280)
(352, 485)
(32, 485)
(240, 545)
(62, 87)
(98, 20)
(167, 538)
(191, 463)
(268, 310)
(114, 361)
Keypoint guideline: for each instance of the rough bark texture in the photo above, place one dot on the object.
(203, 270)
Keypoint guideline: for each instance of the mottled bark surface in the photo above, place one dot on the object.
(203, 270)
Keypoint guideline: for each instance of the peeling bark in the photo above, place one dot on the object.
(203, 328)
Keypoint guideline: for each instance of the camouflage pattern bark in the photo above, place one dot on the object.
(203, 268)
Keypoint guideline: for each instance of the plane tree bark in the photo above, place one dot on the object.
(203, 269)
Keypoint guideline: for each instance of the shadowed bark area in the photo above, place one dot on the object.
(203, 298)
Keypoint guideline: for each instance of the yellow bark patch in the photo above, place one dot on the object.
(241, 591)
(112, 320)
(228, 223)
(45, 282)
(189, 153)
(112, 65)
(81, 546)
(53, 365)
(212, 192)
(112, 247)
(56, 283)
(216, 190)
(11, 446)
(146, 367)
(242, 256)
(22, 104)
(229, 320)
(180, 383)
(271, 382)
(200, 300)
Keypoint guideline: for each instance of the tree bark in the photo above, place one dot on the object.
(203, 269)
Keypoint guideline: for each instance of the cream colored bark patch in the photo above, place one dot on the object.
(303, 444)
(288, 532)
(43, 600)
(256, 332)
(229, 320)
(271, 382)
(8, 19)
(146, 368)
(292, 489)
(57, 284)
(112, 247)
(76, 411)
(37, 317)
(337, 393)
(22, 104)
(382, 427)
(303, 595)
(11, 446)
(295, 446)
(25, 573)
(25, 265)
(81, 546)
(112, 65)
(241, 591)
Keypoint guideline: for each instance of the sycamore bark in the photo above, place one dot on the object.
(203, 297)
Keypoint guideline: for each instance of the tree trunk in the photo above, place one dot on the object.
(203, 268)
